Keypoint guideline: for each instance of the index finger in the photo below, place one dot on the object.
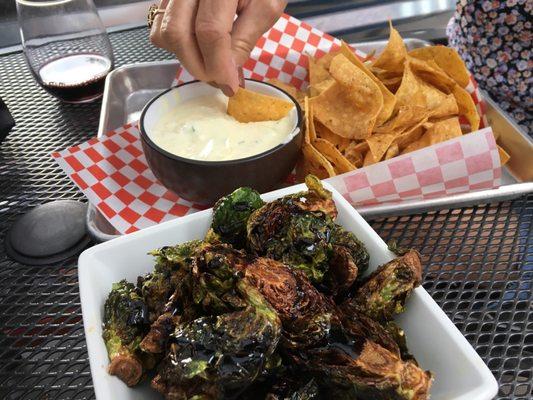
(214, 22)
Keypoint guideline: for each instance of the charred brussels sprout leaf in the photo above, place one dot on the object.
(125, 323)
(156, 339)
(305, 245)
(171, 258)
(348, 261)
(385, 291)
(215, 276)
(155, 289)
(219, 356)
(315, 199)
(357, 250)
(231, 212)
(398, 335)
(173, 263)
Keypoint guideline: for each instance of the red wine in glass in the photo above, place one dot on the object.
(75, 78)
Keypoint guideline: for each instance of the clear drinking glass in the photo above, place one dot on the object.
(66, 47)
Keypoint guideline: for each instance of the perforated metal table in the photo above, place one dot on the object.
(478, 261)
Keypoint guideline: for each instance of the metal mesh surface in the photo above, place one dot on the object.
(479, 261)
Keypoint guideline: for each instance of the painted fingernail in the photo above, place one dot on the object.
(227, 90)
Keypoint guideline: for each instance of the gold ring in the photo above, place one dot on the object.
(153, 11)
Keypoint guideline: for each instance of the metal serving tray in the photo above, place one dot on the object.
(130, 87)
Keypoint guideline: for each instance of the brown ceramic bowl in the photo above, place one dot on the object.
(204, 182)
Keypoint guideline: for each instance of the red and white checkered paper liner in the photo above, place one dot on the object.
(112, 171)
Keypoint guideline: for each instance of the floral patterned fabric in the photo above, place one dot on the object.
(494, 39)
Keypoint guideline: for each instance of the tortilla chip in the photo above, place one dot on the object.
(336, 109)
(440, 131)
(392, 84)
(364, 91)
(431, 73)
(406, 118)
(310, 133)
(389, 100)
(369, 159)
(360, 147)
(416, 145)
(410, 136)
(439, 103)
(339, 142)
(504, 157)
(248, 106)
(325, 60)
(467, 107)
(315, 163)
(446, 58)
(318, 88)
(318, 68)
(355, 158)
(443, 130)
(392, 152)
(410, 91)
(317, 71)
(297, 94)
(379, 144)
(334, 156)
(393, 57)
(446, 108)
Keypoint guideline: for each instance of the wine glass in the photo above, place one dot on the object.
(66, 47)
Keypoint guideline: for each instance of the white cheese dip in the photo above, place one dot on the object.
(200, 129)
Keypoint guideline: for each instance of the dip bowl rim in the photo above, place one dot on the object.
(290, 136)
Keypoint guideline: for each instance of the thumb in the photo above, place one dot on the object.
(256, 17)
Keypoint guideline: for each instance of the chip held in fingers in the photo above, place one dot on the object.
(249, 106)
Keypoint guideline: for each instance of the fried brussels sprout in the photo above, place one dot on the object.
(302, 242)
(173, 263)
(384, 292)
(155, 341)
(125, 323)
(216, 272)
(283, 231)
(299, 231)
(219, 356)
(370, 372)
(398, 335)
(231, 213)
(349, 260)
(304, 312)
(359, 325)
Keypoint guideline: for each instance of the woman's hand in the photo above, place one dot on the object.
(207, 39)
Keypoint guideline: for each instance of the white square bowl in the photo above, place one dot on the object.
(437, 344)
